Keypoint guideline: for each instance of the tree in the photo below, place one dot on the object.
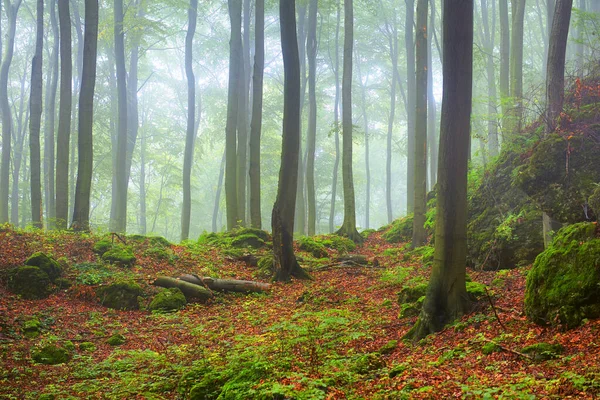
(282, 219)
(311, 46)
(336, 118)
(516, 66)
(256, 123)
(81, 213)
(488, 37)
(11, 14)
(431, 105)
(410, 106)
(235, 49)
(420, 204)
(446, 293)
(191, 119)
(64, 116)
(348, 227)
(504, 61)
(363, 103)
(242, 116)
(35, 105)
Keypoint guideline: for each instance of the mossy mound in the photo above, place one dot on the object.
(562, 286)
(120, 255)
(425, 253)
(367, 363)
(561, 174)
(168, 300)
(389, 347)
(29, 282)
(367, 232)
(410, 294)
(120, 295)
(248, 240)
(476, 291)
(102, 246)
(543, 351)
(47, 264)
(116, 340)
(240, 237)
(335, 242)
(401, 230)
(88, 347)
(313, 247)
(51, 355)
(151, 240)
(31, 328)
(504, 226)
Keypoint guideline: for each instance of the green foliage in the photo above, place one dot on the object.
(265, 266)
(51, 355)
(120, 295)
(92, 273)
(88, 347)
(160, 253)
(395, 276)
(116, 340)
(367, 232)
(29, 282)
(562, 286)
(490, 348)
(313, 247)
(476, 290)
(241, 237)
(400, 230)
(120, 255)
(389, 347)
(102, 246)
(594, 201)
(425, 253)
(367, 363)
(410, 294)
(47, 264)
(543, 351)
(168, 300)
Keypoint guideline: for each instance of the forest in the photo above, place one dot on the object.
(299, 199)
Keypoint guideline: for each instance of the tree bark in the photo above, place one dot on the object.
(18, 152)
(431, 105)
(446, 294)
(419, 237)
(311, 46)
(504, 63)
(218, 194)
(143, 217)
(300, 217)
(81, 213)
(64, 117)
(411, 104)
(190, 290)
(226, 285)
(365, 117)
(516, 66)
(256, 124)
(336, 121)
(488, 34)
(190, 136)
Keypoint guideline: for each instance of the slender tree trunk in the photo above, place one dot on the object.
(218, 194)
(300, 217)
(411, 105)
(143, 217)
(348, 227)
(419, 233)
(446, 294)
(11, 13)
(49, 125)
(190, 136)
(580, 48)
(431, 106)
(81, 213)
(489, 48)
(74, 110)
(311, 46)
(363, 104)
(504, 63)
(336, 121)
(64, 117)
(18, 152)
(256, 124)
(284, 261)
(516, 66)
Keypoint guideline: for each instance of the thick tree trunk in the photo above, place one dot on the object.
(190, 135)
(311, 137)
(336, 121)
(190, 290)
(64, 117)
(256, 124)
(411, 105)
(226, 285)
(419, 237)
(235, 49)
(446, 294)
(81, 212)
(285, 264)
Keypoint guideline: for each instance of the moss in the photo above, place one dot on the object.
(47, 264)
(87, 347)
(400, 230)
(47, 396)
(69, 346)
(397, 370)
(120, 255)
(31, 328)
(562, 286)
(335, 242)
(102, 246)
(159, 253)
(120, 295)
(389, 347)
(264, 235)
(116, 340)
(168, 300)
(543, 351)
(410, 294)
(248, 240)
(156, 241)
(490, 348)
(265, 266)
(51, 355)
(425, 253)
(367, 363)
(63, 283)
(367, 232)
(409, 310)
(29, 282)
(311, 246)
(476, 290)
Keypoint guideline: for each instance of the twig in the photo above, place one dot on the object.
(121, 238)
(494, 308)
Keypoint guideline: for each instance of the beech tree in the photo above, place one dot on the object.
(35, 121)
(49, 119)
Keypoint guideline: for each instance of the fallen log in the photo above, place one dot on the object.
(190, 290)
(227, 285)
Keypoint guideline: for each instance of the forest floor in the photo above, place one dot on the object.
(329, 338)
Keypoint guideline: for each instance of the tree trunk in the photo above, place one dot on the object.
(143, 218)
(218, 194)
(256, 124)
(516, 66)
(49, 126)
(11, 13)
(491, 77)
(348, 227)
(235, 49)
(190, 136)
(336, 121)
(446, 293)
(419, 237)
(411, 104)
(431, 105)
(285, 264)
(64, 117)
(227, 285)
(190, 290)
(300, 217)
(81, 212)
(311, 46)
(363, 104)
(580, 48)
(18, 152)
(504, 63)
(242, 144)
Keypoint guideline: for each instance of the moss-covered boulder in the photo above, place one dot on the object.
(504, 227)
(116, 340)
(248, 240)
(51, 355)
(367, 363)
(335, 242)
(47, 264)
(562, 286)
(120, 295)
(168, 300)
(410, 294)
(87, 347)
(313, 247)
(29, 282)
(400, 230)
(120, 255)
(543, 351)
(31, 328)
(102, 246)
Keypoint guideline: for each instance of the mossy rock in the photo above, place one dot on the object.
(400, 230)
(63, 283)
(168, 300)
(389, 347)
(120, 255)
(31, 328)
(51, 355)
(29, 282)
(335, 242)
(309, 245)
(47, 264)
(88, 347)
(154, 241)
(410, 294)
(47, 396)
(116, 340)
(562, 286)
(120, 295)
(367, 363)
(543, 351)
(102, 246)
(263, 235)
(476, 291)
(248, 240)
